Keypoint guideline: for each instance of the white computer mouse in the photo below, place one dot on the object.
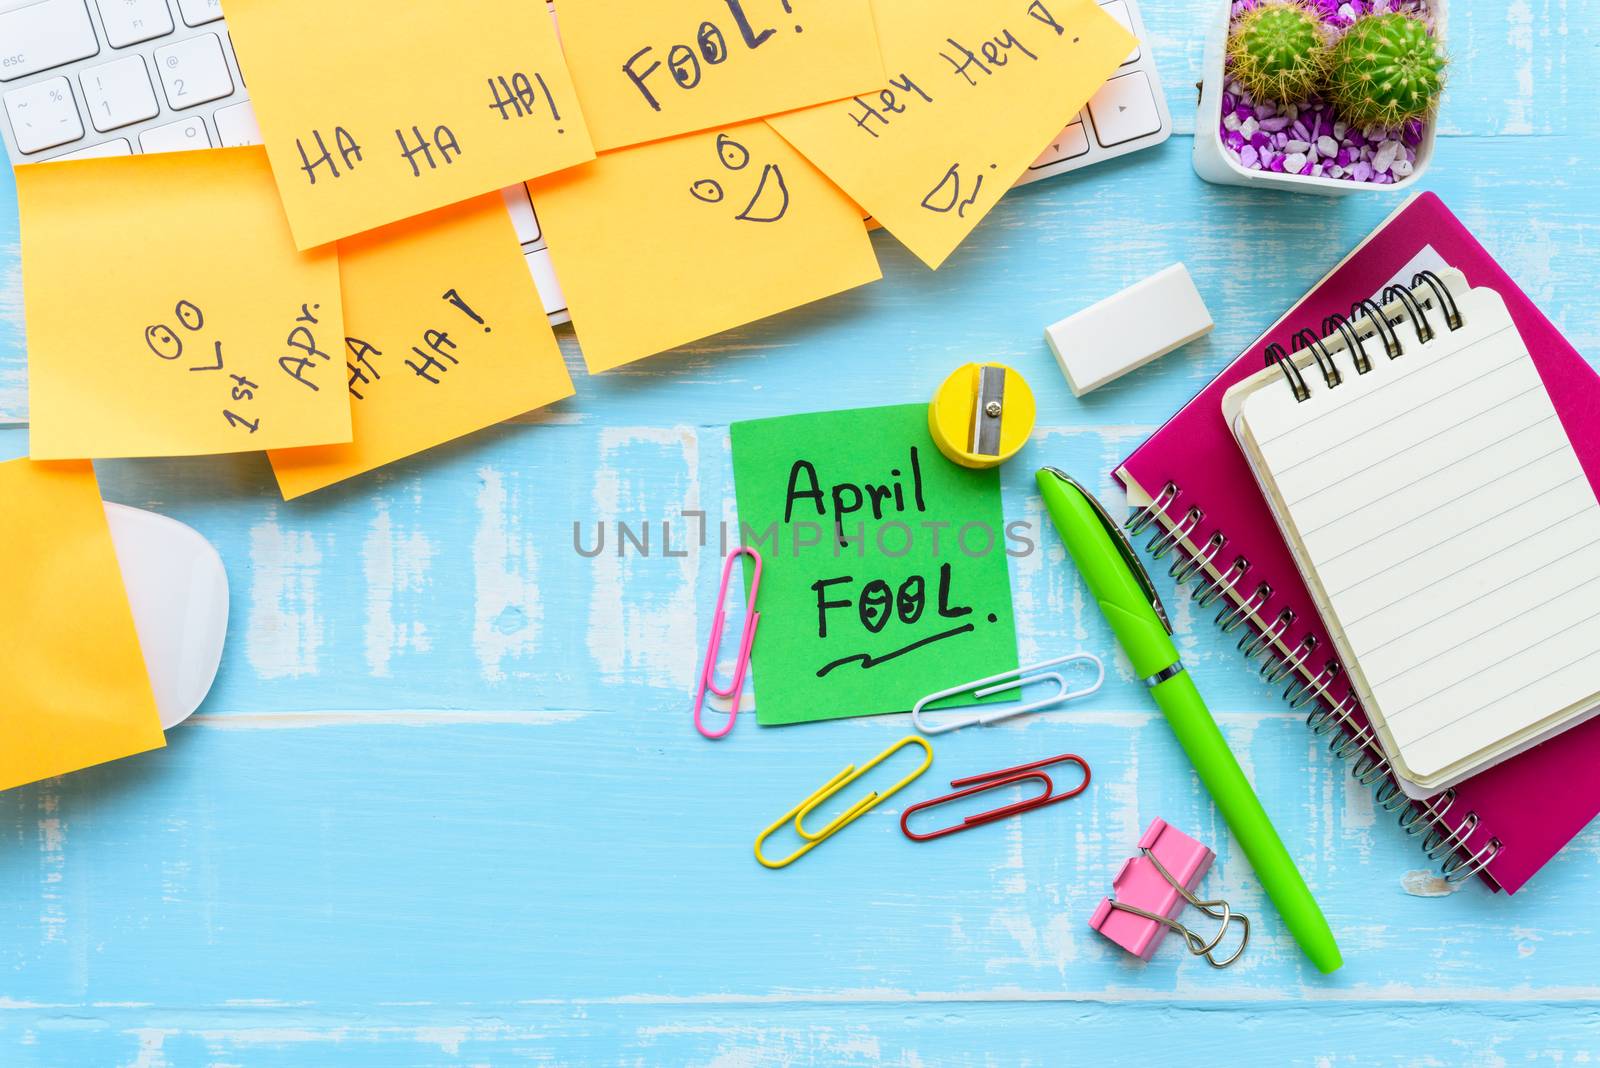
(178, 590)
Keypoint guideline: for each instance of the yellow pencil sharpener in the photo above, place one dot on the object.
(982, 415)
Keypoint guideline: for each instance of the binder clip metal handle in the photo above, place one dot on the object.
(1216, 909)
(1151, 888)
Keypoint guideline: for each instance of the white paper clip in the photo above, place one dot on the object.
(1007, 680)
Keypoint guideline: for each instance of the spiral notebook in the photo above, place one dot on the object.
(1441, 520)
(1195, 494)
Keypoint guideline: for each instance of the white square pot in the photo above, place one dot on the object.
(1213, 161)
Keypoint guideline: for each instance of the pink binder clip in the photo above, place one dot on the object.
(1151, 889)
(708, 669)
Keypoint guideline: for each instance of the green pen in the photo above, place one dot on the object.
(1119, 582)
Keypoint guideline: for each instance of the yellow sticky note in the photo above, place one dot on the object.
(73, 684)
(649, 69)
(375, 111)
(446, 335)
(168, 312)
(665, 243)
(975, 91)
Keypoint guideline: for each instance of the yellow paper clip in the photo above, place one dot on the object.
(849, 775)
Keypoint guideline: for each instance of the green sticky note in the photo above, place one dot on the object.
(884, 566)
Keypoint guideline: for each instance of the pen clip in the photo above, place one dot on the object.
(1140, 575)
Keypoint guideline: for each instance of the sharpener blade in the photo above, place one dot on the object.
(986, 411)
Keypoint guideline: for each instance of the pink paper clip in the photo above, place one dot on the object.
(1151, 889)
(708, 670)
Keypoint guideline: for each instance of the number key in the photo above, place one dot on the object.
(193, 71)
(118, 93)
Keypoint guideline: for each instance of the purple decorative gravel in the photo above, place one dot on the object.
(1308, 137)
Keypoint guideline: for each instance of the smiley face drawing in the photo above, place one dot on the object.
(768, 203)
(163, 342)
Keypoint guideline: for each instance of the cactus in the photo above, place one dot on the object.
(1279, 51)
(1386, 70)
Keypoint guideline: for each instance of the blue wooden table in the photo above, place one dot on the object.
(444, 805)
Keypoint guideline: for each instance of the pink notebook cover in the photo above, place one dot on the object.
(1535, 802)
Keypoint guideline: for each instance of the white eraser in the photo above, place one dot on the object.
(1128, 330)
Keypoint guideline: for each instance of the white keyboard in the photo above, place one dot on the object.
(87, 78)
(1127, 114)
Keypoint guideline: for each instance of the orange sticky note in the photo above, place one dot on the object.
(975, 91)
(446, 335)
(72, 678)
(168, 312)
(648, 69)
(662, 244)
(374, 111)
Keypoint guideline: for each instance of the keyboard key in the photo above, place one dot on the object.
(118, 93)
(44, 35)
(117, 146)
(523, 220)
(543, 269)
(200, 12)
(1118, 9)
(131, 21)
(180, 136)
(194, 71)
(1123, 109)
(43, 115)
(236, 125)
(1072, 142)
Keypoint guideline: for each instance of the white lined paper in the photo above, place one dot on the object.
(1439, 508)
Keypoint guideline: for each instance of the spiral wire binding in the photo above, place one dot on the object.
(1298, 693)
(1230, 616)
(1444, 842)
(1352, 341)
(1252, 644)
(1182, 570)
(1418, 319)
(1282, 668)
(1307, 339)
(1224, 582)
(1383, 329)
(1276, 354)
(1165, 541)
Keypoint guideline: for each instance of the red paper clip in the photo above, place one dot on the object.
(993, 780)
